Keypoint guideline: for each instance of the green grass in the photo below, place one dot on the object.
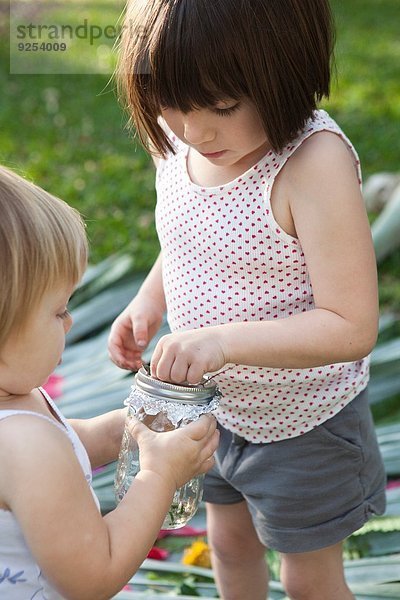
(366, 98)
(68, 133)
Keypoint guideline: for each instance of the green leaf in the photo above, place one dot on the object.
(373, 570)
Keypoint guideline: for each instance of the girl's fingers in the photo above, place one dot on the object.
(179, 370)
(140, 335)
(154, 362)
(194, 373)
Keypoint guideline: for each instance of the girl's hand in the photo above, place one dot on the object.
(132, 330)
(185, 356)
(179, 455)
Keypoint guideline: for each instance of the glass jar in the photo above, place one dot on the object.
(163, 407)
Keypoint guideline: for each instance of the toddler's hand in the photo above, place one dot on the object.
(185, 356)
(177, 455)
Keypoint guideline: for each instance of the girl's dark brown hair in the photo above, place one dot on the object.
(187, 54)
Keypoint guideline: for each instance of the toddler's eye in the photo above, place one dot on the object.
(64, 314)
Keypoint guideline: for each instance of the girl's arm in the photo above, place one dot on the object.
(330, 220)
(101, 435)
(82, 554)
(138, 323)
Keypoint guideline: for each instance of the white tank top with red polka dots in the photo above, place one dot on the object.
(225, 259)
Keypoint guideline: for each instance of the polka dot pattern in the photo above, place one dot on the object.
(225, 259)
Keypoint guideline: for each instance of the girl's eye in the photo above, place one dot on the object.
(225, 112)
(64, 314)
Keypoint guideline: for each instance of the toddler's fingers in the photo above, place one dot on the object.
(215, 440)
(211, 446)
(205, 426)
(137, 429)
(207, 464)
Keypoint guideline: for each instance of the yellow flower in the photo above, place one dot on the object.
(197, 554)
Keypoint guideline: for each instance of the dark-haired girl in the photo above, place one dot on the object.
(267, 273)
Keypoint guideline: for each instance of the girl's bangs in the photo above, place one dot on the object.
(188, 69)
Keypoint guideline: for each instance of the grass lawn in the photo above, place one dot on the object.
(67, 132)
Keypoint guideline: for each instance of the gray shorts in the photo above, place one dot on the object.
(308, 492)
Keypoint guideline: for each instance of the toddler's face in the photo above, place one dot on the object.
(30, 356)
(228, 134)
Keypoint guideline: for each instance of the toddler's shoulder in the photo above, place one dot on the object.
(26, 432)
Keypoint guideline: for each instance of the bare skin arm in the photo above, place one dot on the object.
(83, 554)
(101, 436)
(138, 323)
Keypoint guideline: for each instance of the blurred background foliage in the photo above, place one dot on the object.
(68, 132)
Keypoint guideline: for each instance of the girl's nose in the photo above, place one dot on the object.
(196, 129)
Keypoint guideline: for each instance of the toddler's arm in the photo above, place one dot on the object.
(139, 322)
(81, 553)
(101, 435)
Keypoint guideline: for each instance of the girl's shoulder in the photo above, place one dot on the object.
(320, 158)
(321, 145)
(321, 132)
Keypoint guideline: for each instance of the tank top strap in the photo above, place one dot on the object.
(320, 121)
(180, 148)
(54, 408)
(4, 414)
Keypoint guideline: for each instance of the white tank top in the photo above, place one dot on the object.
(226, 259)
(20, 576)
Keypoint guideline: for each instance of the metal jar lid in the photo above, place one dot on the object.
(201, 393)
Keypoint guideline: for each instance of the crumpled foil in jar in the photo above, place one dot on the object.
(177, 413)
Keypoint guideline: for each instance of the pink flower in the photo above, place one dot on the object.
(53, 386)
(185, 531)
(393, 484)
(158, 553)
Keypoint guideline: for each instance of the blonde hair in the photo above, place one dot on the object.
(42, 244)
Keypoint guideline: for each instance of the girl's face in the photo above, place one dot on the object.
(30, 355)
(228, 134)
